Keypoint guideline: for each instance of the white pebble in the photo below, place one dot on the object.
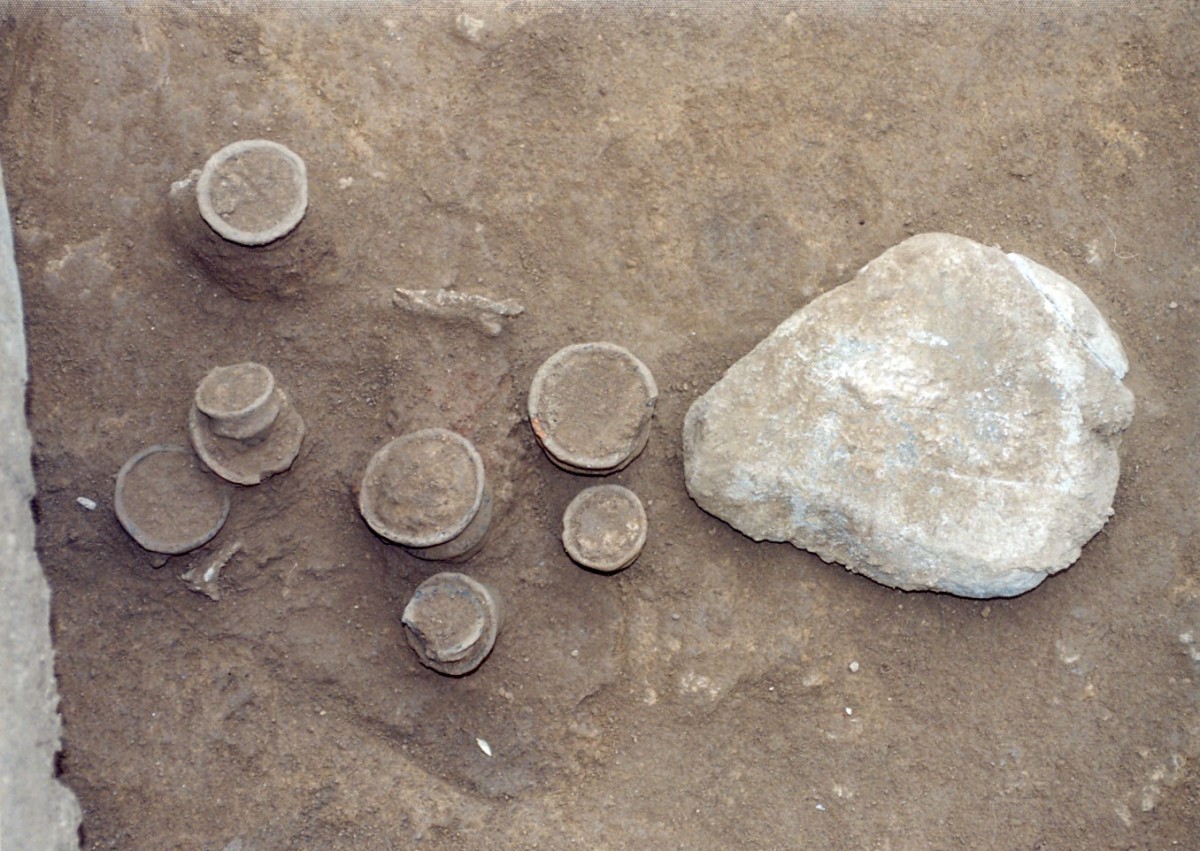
(484, 746)
(854, 667)
(849, 711)
(89, 504)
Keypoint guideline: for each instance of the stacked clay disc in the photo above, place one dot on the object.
(590, 407)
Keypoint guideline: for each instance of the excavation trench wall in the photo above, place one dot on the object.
(36, 811)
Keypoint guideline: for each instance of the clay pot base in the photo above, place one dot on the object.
(246, 462)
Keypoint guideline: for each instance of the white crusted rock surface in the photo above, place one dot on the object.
(948, 420)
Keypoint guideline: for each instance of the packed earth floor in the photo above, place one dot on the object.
(676, 179)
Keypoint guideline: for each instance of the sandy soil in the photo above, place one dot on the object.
(674, 181)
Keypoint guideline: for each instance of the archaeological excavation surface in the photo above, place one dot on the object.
(480, 187)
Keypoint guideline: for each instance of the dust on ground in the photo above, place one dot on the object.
(676, 181)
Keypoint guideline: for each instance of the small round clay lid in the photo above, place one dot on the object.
(590, 407)
(235, 391)
(604, 528)
(253, 192)
(422, 489)
(451, 622)
(167, 503)
(239, 399)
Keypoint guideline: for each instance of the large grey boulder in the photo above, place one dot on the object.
(948, 420)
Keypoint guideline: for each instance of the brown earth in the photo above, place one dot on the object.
(676, 181)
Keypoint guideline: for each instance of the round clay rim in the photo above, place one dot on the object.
(451, 532)
(452, 583)
(244, 237)
(258, 403)
(140, 537)
(578, 503)
(482, 648)
(537, 388)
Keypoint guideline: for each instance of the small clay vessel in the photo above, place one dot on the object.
(240, 219)
(242, 424)
(604, 528)
(452, 622)
(253, 192)
(428, 492)
(590, 407)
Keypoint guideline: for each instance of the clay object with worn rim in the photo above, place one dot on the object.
(452, 622)
(167, 503)
(604, 528)
(590, 406)
(242, 424)
(237, 219)
(253, 192)
(428, 492)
